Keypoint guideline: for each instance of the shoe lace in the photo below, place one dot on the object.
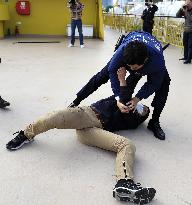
(135, 186)
(18, 137)
(16, 132)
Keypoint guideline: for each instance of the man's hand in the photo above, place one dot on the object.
(132, 103)
(123, 108)
(121, 74)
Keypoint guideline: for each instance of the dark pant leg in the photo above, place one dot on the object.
(185, 44)
(94, 83)
(190, 46)
(147, 28)
(80, 30)
(73, 26)
(160, 98)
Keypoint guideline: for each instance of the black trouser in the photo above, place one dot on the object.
(94, 83)
(187, 43)
(148, 27)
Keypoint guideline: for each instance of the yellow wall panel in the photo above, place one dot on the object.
(50, 17)
(4, 14)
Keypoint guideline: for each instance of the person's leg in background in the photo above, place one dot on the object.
(70, 118)
(147, 27)
(125, 189)
(73, 27)
(80, 30)
(185, 45)
(189, 48)
(3, 103)
(158, 103)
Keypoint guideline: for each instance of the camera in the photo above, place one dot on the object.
(71, 2)
(184, 6)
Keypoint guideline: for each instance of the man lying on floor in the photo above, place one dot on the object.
(94, 126)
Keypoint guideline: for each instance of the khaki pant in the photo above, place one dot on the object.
(89, 131)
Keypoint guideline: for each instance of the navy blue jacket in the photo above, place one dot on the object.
(154, 68)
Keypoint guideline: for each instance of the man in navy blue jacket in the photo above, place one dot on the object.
(141, 54)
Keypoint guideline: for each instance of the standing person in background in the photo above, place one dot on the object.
(76, 8)
(3, 103)
(186, 11)
(147, 16)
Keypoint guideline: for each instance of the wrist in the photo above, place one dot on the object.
(123, 82)
(136, 99)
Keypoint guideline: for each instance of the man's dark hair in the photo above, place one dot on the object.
(135, 52)
(72, 2)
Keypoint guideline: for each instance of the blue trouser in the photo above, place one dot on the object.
(187, 43)
(77, 23)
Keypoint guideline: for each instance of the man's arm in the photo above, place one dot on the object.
(80, 7)
(180, 13)
(144, 14)
(125, 94)
(188, 15)
(115, 63)
(154, 8)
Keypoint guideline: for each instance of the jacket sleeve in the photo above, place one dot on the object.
(115, 63)
(144, 14)
(180, 13)
(154, 8)
(188, 16)
(125, 94)
(80, 8)
(153, 83)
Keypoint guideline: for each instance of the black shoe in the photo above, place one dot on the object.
(18, 141)
(187, 61)
(72, 105)
(3, 103)
(156, 129)
(127, 190)
(182, 59)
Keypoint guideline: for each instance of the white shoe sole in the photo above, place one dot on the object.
(142, 196)
(25, 142)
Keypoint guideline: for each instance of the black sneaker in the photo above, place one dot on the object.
(156, 129)
(18, 141)
(187, 61)
(3, 103)
(127, 190)
(182, 59)
(72, 105)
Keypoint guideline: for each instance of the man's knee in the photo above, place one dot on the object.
(82, 136)
(125, 143)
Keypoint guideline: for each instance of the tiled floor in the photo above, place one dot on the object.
(56, 169)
